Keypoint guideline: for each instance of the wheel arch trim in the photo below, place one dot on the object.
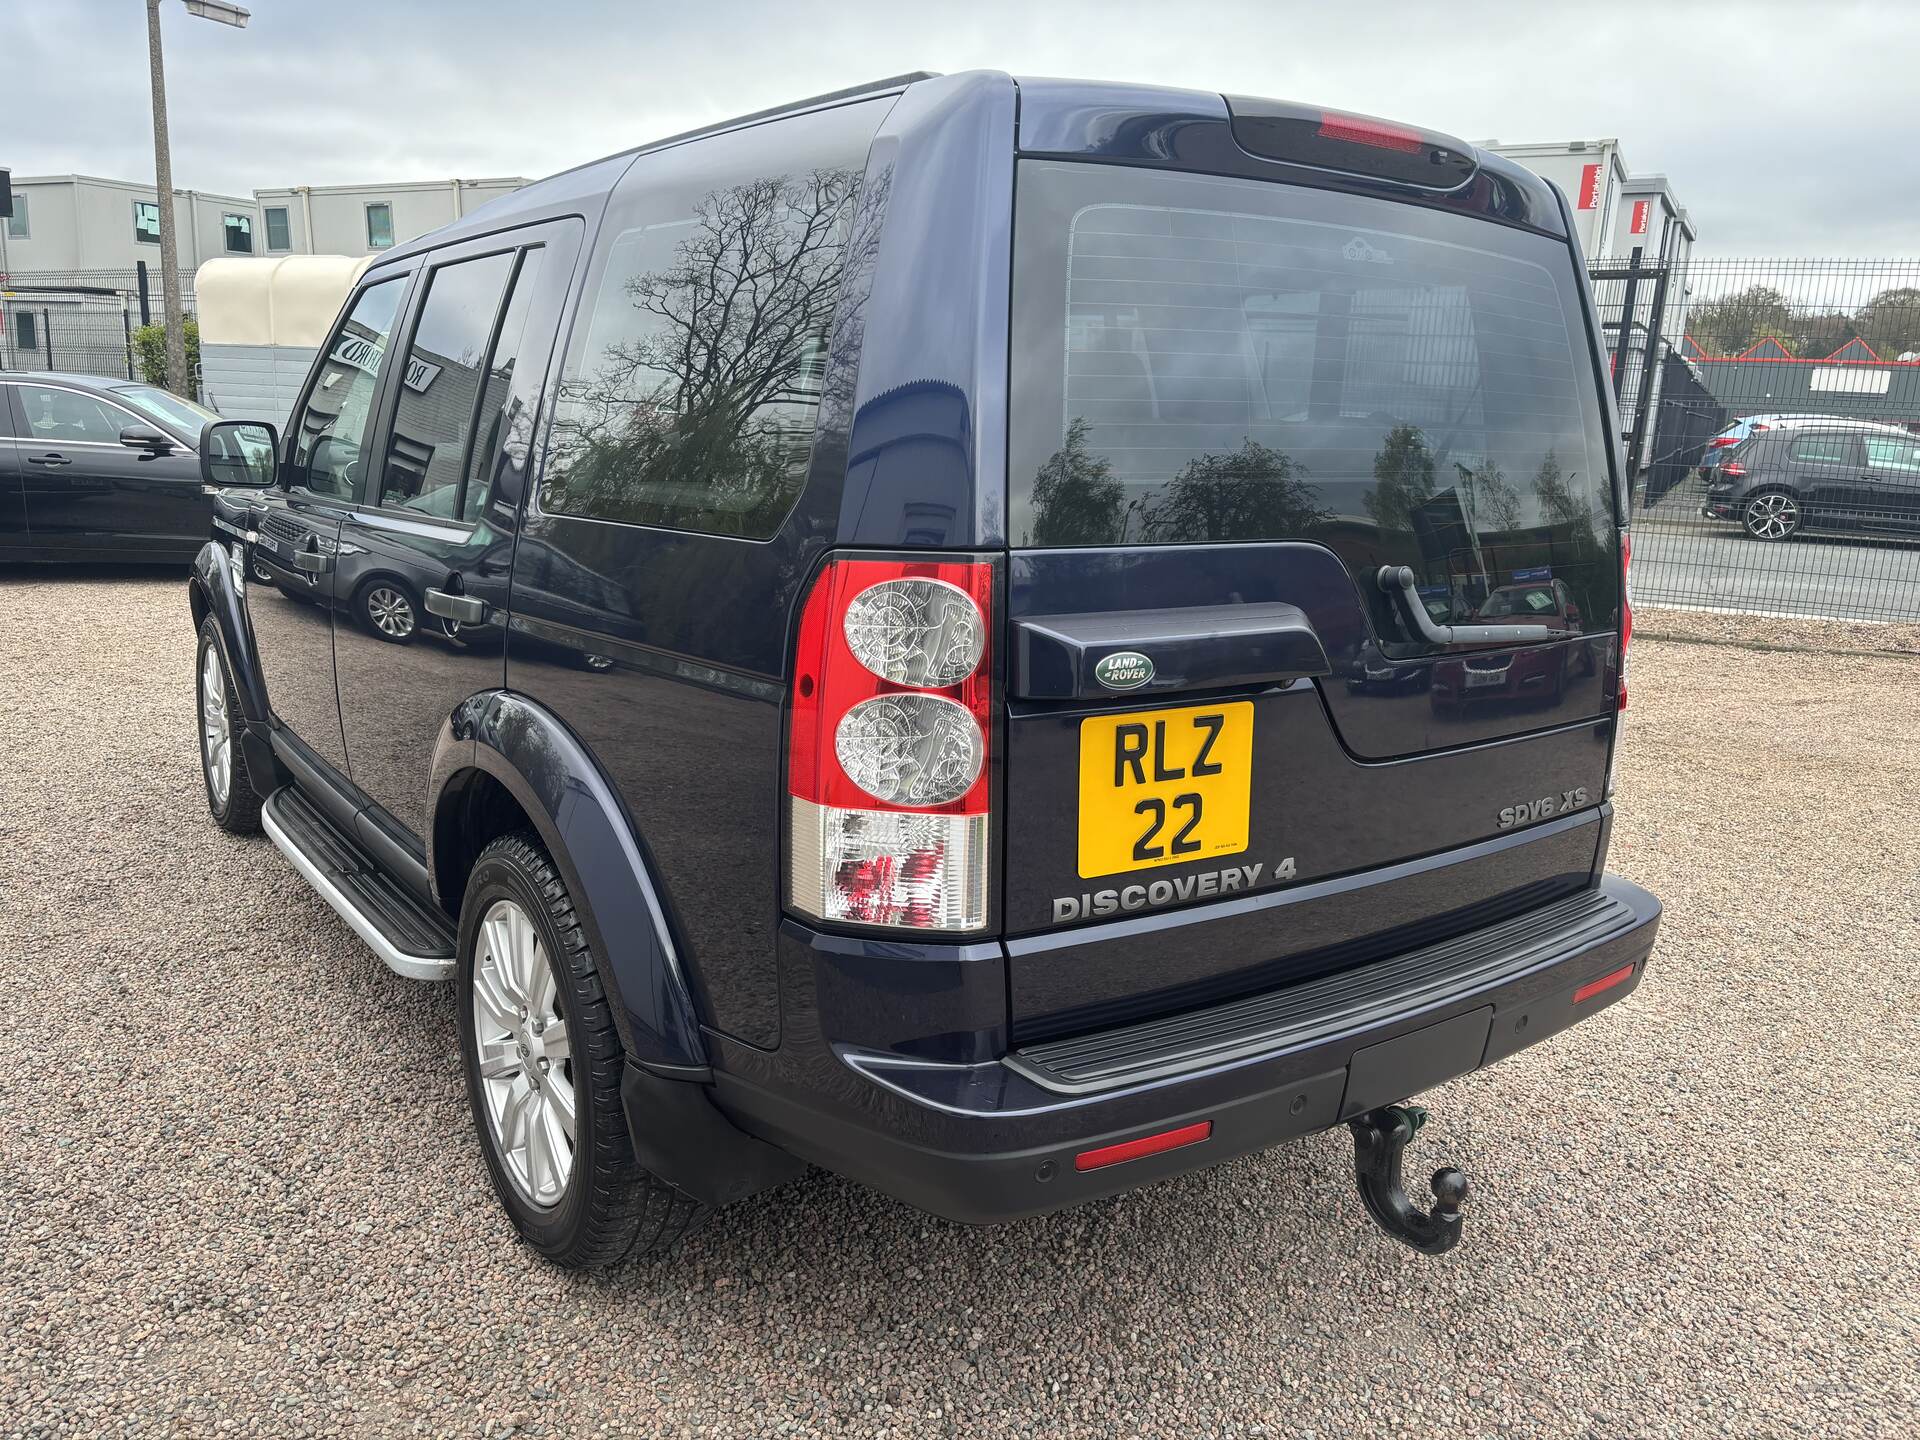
(596, 847)
(210, 583)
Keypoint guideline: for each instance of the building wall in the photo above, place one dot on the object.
(332, 219)
(81, 222)
(1567, 165)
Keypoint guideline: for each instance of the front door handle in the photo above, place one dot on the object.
(48, 460)
(467, 609)
(312, 562)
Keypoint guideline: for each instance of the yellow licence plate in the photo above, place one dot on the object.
(1164, 787)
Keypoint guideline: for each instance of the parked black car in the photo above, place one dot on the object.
(913, 736)
(1835, 475)
(99, 470)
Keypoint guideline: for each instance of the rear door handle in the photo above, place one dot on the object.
(312, 562)
(48, 460)
(468, 609)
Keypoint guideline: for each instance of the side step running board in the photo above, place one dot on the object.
(411, 939)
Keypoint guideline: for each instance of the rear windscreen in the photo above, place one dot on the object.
(1199, 359)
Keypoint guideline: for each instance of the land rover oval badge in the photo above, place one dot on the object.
(1123, 670)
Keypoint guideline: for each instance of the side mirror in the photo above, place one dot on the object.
(242, 453)
(145, 437)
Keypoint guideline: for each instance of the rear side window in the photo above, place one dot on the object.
(1200, 359)
(691, 389)
(1827, 449)
(1889, 453)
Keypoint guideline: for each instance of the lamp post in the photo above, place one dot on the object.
(226, 14)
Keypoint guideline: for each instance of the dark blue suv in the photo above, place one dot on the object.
(839, 634)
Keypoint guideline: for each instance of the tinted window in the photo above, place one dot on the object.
(18, 227)
(239, 229)
(379, 226)
(183, 415)
(1884, 452)
(26, 330)
(66, 415)
(332, 428)
(146, 222)
(433, 418)
(1827, 449)
(690, 393)
(495, 415)
(279, 233)
(1200, 359)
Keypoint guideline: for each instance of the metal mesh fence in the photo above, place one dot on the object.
(1771, 419)
(77, 321)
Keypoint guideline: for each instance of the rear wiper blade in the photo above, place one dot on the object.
(1397, 581)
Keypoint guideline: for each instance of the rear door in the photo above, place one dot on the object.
(426, 553)
(293, 560)
(13, 501)
(1235, 401)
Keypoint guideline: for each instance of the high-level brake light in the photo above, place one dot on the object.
(891, 722)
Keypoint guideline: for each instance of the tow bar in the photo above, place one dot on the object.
(1380, 1138)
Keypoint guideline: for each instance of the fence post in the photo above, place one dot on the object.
(1620, 344)
(126, 326)
(146, 308)
(1642, 413)
(46, 335)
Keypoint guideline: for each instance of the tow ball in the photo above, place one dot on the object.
(1380, 1138)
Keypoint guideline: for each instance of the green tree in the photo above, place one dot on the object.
(1730, 324)
(1253, 493)
(150, 354)
(1890, 321)
(1076, 499)
(1403, 478)
(1491, 501)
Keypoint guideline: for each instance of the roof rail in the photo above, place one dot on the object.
(872, 87)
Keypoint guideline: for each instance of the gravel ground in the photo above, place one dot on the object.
(239, 1192)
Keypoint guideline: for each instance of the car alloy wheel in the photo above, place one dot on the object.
(525, 1055)
(216, 738)
(1772, 516)
(390, 612)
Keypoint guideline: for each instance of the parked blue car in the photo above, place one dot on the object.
(883, 579)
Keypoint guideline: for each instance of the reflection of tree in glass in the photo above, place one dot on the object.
(683, 423)
(1403, 478)
(1076, 500)
(1491, 501)
(1253, 493)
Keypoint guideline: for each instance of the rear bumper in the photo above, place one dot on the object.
(998, 1139)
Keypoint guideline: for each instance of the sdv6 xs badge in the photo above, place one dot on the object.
(1528, 811)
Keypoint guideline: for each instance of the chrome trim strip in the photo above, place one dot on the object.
(410, 967)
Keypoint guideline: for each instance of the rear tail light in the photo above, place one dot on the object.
(1733, 470)
(891, 723)
(1605, 983)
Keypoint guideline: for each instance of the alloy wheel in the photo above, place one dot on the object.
(525, 1055)
(390, 611)
(216, 740)
(1772, 516)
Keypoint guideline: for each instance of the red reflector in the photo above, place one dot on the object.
(1147, 1145)
(1605, 982)
(1358, 131)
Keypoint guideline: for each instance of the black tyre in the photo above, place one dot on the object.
(388, 610)
(223, 762)
(543, 1064)
(1771, 515)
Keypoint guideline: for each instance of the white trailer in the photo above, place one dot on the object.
(261, 324)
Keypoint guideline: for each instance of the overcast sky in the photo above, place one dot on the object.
(1786, 126)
